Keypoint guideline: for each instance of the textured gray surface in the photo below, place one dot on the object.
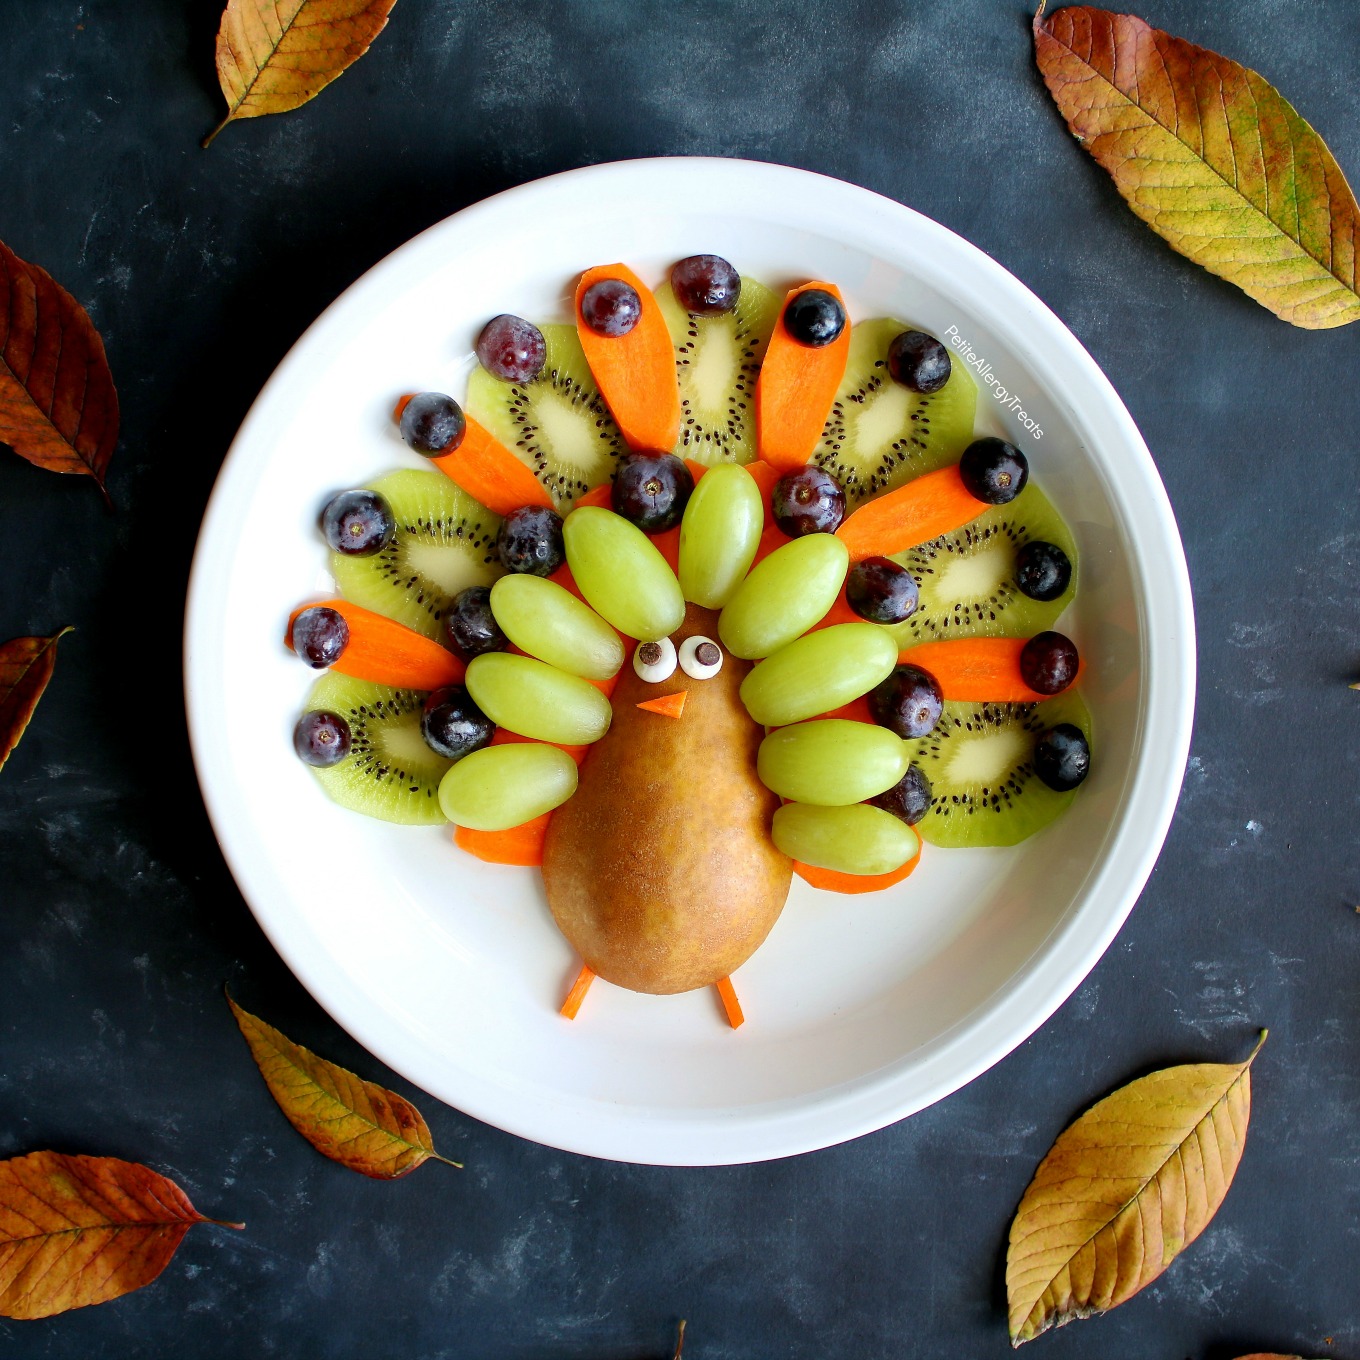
(119, 923)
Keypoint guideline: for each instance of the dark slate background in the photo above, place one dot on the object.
(119, 923)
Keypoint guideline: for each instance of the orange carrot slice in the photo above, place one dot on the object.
(857, 710)
(832, 880)
(731, 1006)
(601, 496)
(502, 737)
(796, 387)
(977, 670)
(635, 372)
(668, 705)
(935, 504)
(579, 988)
(519, 845)
(490, 473)
(387, 652)
(771, 538)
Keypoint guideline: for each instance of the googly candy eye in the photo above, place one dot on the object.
(655, 661)
(700, 658)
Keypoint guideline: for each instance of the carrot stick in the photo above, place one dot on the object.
(602, 496)
(579, 988)
(727, 994)
(857, 710)
(832, 880)
(976, 670)
(935, 504)
(519, 845)
(635, 372)
(840, 612)
(771, 538)
(490, 473)
(502, 737)
(668, 705)
(796, 388)
(387, 652)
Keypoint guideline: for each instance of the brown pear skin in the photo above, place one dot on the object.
(660, 869)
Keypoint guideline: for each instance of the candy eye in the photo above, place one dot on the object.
(655, 660)
(700, 658)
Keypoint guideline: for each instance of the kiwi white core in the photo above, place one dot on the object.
(402, 742)
(572, 441)
(450, 571)
(976, 577)
(877, 426)
(986, 759)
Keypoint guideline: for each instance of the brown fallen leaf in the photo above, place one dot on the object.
(1211, 157)
(26, 665)
(1124, 1190)
(82, 1230)
(354, 1122)
(58, 407)
(274, 55)
(1268, 1355)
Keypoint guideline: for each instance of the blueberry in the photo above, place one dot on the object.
(452, 725)
(432, 424)
(651, 490)
(530, 540)
(1042, 570)
(993, 470)
(358, 523)
(808, 501)
(815, 317)
(512, 349)
(1062, 758)
(321, 739)
(319, 635)
(908, 702)
(919, 361)
(611, 307)
(909, 798)
(1048, 663)
(879, 590)
(470, 626)
(705, 285)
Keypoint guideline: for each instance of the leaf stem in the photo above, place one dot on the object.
(208, 140)
(447, 1161)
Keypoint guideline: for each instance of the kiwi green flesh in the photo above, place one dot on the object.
(445, 542)
(980, 763)
(880, 434)
(558, 425)
(390, 773)
(717, 362)
(967, 578)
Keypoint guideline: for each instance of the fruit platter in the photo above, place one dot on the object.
(732, 724)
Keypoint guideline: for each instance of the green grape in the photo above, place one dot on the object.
(858, 839)
(537, 700)
(831, 762)
(719, 535)
(549, 622)
(818, 672)
(784, 596)
(503, 786)
(622, 575)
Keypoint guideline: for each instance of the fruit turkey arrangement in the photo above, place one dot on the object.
(706, 590)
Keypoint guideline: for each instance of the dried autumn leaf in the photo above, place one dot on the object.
(357, 1123)
(274, 55)
(26, 665)
(82, 1230)
(1211, 157)
(58, 407)
(1124, 1190)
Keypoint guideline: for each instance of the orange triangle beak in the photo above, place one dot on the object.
(672, 705)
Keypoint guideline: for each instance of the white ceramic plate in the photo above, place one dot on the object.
(860, 1010)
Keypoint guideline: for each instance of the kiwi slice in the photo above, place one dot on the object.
(967, 578)
(445, 542)
(558, 425)
(880, 434)
(979, 760)
(717, 362)
(390, 773)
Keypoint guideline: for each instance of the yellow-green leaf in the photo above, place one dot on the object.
(274, 55)
(357, 1123)
(1212, 157)
(1125, 1189)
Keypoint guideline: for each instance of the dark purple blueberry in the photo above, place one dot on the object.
(652, 490)
(908, 702)
(1048, 663)
(993, 470)
(919, 361)
(512, 349)
(879, 590)
(1062, 759)
(530, 540)
(319, 636)
(321, 739)
(1042, 570)
(909, 798)
(611, 307)
(358, 523)
(470, 627)
(705, 285)
(808, 501)
(432, 424)
(815, 317)
(452, 725)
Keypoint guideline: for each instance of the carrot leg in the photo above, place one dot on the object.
(731, 1006)
(579, 988)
